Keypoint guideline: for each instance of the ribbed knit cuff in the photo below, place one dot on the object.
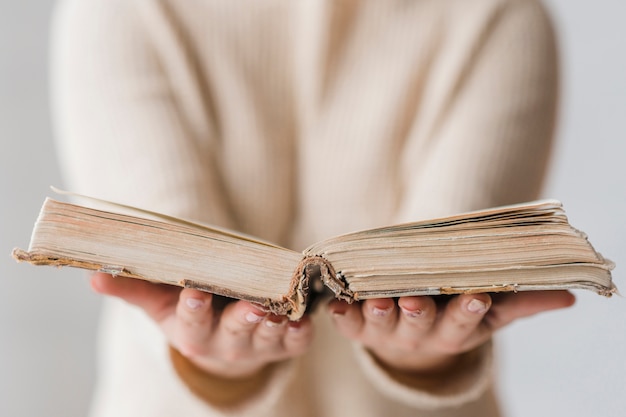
(261, 390)
(467, 382)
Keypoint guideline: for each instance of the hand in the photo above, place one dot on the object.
(235, 341)
(415, 334)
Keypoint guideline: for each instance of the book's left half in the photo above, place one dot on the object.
(166, 250)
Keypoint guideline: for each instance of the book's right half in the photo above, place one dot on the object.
(514, 248)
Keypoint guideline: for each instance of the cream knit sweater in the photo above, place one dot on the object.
(294, 121)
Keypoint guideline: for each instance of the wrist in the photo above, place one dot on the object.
(463, 382)
(423, 364)
(232, 370)
(217, 387)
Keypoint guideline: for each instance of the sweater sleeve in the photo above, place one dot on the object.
(132, 126)
(467, 383)
(130, 118)
(136, 377)
(487, 135)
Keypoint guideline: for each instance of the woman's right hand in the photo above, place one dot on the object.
(236, 341)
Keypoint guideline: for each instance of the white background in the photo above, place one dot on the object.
(567, 363)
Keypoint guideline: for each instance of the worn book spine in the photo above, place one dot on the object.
(313, 277)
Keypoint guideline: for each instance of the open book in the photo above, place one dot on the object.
(514, 248)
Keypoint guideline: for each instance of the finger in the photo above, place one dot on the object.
(348, 318)
(236, 326)
(299, 336)
(381, 316)
(459, 327)
(417, 315)
(512, 306)
(157, 300)
(268, 336)
(194, 322)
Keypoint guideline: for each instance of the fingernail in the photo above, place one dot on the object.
(294, 326)
(272, 323)
(381, 312)
(194, 303)
(338, 309)
(477, 306)
(253, 318)
(338, 315)
(411, 313)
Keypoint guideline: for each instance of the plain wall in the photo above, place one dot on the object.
(566, 363)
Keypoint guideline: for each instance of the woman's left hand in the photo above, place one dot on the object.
(424, 335)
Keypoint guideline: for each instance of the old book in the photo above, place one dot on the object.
(514, 248)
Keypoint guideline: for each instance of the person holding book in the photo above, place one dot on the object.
(295, 121)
